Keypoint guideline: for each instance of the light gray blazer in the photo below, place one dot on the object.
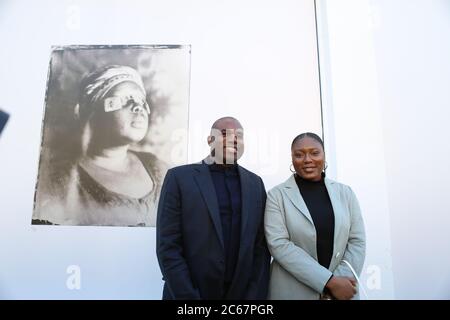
(291, 238)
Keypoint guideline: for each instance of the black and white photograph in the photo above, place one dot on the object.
(111, 129)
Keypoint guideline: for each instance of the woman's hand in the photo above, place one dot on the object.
(342, 288)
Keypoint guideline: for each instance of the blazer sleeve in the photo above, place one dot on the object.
(355, 251)
(259, 281)
(291, 257)
(169, 242)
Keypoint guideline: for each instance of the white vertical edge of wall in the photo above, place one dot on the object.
(353, 129)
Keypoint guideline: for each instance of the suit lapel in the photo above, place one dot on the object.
(247, 199)
(248, 204)
(295, 197)
(208, 191)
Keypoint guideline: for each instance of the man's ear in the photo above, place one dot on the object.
(210, 140)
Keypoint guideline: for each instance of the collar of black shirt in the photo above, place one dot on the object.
(228, 168)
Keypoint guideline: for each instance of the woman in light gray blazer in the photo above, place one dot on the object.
(313, 227)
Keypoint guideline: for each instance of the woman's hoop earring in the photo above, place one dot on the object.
(290, 168)
(326, 166)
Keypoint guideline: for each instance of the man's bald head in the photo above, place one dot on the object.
(226, 123)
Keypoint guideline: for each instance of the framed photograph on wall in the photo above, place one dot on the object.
(110, 117)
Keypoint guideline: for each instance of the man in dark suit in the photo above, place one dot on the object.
(210, 228)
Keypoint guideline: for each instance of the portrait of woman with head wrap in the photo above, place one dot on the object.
(110, 184)
(97, 165)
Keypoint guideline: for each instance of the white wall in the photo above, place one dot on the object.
(353, 129)
(412, 41)
(255, 60)
(387, 78)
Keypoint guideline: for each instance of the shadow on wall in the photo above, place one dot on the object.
(3, 120)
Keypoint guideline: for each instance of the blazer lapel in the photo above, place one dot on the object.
(336, 204)
(295, 197)
(247, 199)
(208, 191)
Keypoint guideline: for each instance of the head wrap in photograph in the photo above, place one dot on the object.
(96, 85)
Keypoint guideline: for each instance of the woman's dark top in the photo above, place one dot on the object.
(318, 202)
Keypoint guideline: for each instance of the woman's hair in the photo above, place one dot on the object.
(308, 134)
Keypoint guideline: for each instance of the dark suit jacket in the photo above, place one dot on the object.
(189, 239)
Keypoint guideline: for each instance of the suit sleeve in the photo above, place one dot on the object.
(259, 281)
(291, 257)
(169, 241)
(356, 246)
